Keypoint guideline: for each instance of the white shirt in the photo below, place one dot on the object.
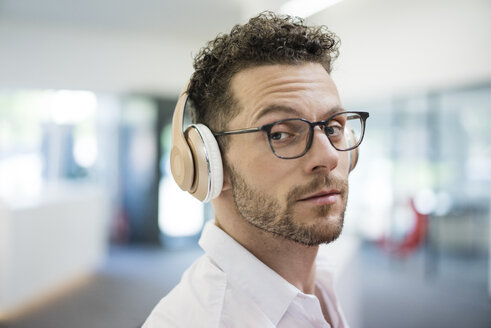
(230, 287)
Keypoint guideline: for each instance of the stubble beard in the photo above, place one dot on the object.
(265, 213)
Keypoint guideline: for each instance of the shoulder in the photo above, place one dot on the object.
(197, 300)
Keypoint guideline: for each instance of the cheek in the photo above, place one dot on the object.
(264, 172)
(274, 177)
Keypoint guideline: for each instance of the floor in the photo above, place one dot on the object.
(409, 293)
(393, 292)
(121, 294)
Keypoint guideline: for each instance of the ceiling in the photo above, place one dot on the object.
(182, 17)
(388, 46)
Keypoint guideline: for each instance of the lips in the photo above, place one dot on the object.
(323, 197)
(320, 194)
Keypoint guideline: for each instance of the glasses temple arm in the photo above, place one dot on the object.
(237, 131)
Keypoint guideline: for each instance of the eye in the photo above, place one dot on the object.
(287, 132)
(334, 129)
(280, 136)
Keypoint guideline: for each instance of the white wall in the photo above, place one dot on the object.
(50, 242)
(400, 46)
(44, 56)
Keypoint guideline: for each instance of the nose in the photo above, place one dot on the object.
(322, 156)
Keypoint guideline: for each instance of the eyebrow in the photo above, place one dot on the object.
(275, 109)
(290, 110)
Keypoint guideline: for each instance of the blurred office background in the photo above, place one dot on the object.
(93, 230)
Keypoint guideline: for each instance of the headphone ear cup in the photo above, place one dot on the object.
(208, 167)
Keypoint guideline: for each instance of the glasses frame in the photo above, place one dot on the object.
(324, 123)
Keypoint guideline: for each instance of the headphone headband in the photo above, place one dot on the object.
(181, 158)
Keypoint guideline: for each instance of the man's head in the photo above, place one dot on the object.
(270, 70)
(265, 40)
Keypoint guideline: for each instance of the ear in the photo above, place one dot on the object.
(226, 178)
(352, 154)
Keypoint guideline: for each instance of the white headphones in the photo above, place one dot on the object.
(195, 159)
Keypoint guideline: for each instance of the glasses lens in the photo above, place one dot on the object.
(345, 130)
(289, 138)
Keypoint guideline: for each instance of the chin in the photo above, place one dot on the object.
(323, 231)
(328, 231)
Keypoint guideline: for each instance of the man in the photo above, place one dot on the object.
(284, 180)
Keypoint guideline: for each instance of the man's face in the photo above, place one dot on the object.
(300, 199)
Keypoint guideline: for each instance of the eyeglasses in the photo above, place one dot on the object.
(292, 138)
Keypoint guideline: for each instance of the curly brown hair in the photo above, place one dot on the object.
(266, 39)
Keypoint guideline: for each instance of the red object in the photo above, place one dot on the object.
(413, 239)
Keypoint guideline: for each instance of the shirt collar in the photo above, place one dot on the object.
(265, 287)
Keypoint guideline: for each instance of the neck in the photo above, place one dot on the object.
(291, 260)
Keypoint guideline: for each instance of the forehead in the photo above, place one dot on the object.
(306, 90)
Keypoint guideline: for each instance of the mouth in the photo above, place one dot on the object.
(323, 197)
